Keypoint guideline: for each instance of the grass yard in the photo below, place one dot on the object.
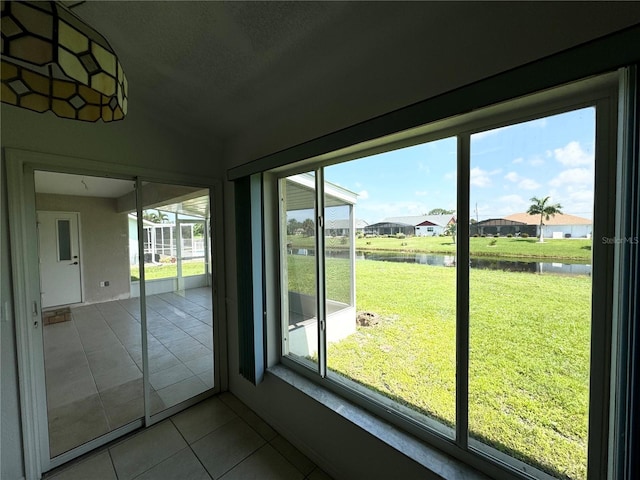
(529, 353)
(168, 270)
(566, 249)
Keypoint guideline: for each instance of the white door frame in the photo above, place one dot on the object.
(21, 165)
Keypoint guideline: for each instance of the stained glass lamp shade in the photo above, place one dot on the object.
(52, 60)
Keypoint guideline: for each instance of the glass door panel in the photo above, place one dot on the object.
(91, 320)
(177, 292)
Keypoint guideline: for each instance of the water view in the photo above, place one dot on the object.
(540, 266)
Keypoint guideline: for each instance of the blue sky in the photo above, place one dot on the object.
(550, 156)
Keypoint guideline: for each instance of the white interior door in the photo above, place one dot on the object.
(59, 251)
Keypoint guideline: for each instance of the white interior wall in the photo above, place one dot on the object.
(104, 243)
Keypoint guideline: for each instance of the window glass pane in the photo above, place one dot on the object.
(397, 338)
(64, 240)
(299, 268)
(531, 203)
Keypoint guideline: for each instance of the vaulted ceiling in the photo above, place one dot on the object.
(241, 72)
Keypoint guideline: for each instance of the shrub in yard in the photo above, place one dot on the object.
(476, 235)
(400, 235)
(493, 242)
(497, 235)
(483, 235)
(525, 235)
(509, 235)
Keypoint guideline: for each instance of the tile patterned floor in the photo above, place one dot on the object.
(93, 363)
(219, 438)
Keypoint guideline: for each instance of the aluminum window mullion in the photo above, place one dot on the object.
(320, 275)
(143, 306)
(462, 291)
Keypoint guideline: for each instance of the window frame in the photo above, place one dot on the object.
(600, 92)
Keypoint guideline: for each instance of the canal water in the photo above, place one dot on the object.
(504, 263)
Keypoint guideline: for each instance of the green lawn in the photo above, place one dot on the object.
(529, 352)
(569, 249)
(168, 270)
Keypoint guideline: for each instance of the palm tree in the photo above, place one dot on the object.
(541, 207)
(452, 229)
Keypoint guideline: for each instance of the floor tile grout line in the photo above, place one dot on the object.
(93, 377)
(113, 465)
(190, 447)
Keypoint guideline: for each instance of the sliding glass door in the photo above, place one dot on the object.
(125, 275)
(177, 288)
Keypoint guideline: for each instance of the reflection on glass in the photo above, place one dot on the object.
(298, 214)
(178, 292)
(530, 329)
(92, 334)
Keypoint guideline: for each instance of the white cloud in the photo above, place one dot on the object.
(576, 176)
(512, 176)
(528, 184)
(479, 177)
(422, 193)
(363, 195)
(572, 155)
(377, 211)
(518, 160)
(536, 161)
(508, 204)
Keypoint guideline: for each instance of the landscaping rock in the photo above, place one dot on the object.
(367, 319)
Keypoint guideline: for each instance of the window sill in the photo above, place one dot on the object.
(429, 457)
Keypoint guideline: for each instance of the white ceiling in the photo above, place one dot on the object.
(231, 71)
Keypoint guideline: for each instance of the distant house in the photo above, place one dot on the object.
(558, 226)
(501, 226)
(341, 227)
(418, 225)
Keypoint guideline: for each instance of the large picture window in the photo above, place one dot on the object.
(449, 279)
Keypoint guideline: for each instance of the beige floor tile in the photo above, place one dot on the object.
(96, 467)
(184, 465)
(227, 446)
(145, 450)
(265, 464)
(203, 418)
(164, 378)
(181, 391)
(76, 423)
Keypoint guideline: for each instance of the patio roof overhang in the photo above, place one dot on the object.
(301, 188)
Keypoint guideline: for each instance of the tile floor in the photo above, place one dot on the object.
(219, 438)
(93, 363)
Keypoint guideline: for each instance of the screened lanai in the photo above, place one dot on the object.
(299, 262)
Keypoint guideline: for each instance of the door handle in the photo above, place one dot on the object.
(74, 263)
